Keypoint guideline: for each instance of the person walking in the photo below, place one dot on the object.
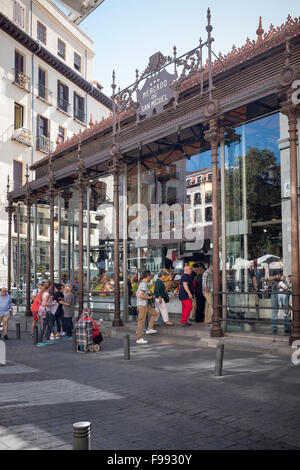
(6, 310)
(144, 307)
(199, 294)
(69, 308)
(36, 301)
(194, 274)
(186, 294)
(59, 314)
(207, 285)
(161, 297)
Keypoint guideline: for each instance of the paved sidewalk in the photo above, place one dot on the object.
(165, 397)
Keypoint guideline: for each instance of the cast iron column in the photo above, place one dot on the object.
(51, 201)
(28, 203)
(67, 195)
(81, 185)
(115, 170)
(213, 135)
(292, 112)
(9, 209)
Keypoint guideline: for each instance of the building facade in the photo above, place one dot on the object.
(47, 93)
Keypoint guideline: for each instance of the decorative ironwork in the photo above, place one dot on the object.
(160, 84)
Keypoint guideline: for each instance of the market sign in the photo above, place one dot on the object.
(156, 93)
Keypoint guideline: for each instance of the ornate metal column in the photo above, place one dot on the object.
(115, 171)
(214, 135)
(9, 209)
(28, 202)
(51, 186)
(67, 195)
(291, 109)
(81, 183)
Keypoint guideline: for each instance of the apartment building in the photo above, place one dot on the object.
(47, 91)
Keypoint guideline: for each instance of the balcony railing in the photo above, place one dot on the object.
(43, 144)
(23, 136)
(64, 105)
(21, 79)
(79, 115)
(44, 93)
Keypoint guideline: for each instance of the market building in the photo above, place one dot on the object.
(231, 124)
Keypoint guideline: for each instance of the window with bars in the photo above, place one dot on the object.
(18, 14)
(18, 174)
(77, 62)
(79, 107)
(63, 97)
(61, 48)
(61, 134)
(19, 116)
(41, 32)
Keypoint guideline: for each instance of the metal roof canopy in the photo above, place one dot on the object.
(80, 9)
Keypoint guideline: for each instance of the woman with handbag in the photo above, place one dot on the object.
(162, 298)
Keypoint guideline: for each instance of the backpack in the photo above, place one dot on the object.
(36, 304)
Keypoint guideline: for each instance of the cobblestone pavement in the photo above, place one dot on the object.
(165, 397)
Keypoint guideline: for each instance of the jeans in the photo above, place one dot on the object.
(282, 301)
(46, 325)
(58, 319)
(68, 325)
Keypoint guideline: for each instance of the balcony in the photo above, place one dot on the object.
(23, 136)
(22, 80)
(64, 106)
(43, 144)
(44, 94)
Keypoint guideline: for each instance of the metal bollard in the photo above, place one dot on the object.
(219, 360)
(35, 334)
(126, 348)
(82, 436)
(18, 330)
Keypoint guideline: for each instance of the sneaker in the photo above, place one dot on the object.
(57, 336)
(52, 336)
(141, 341)
(41, 344)
(49, 341)
(6, 337)
(150, 331)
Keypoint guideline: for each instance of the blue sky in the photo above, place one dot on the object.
(127, 32)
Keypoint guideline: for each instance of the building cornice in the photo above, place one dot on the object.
(35, 47)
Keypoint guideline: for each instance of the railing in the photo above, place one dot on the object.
(80, 115)
(23, 136)
(21, 79)
(44, 93)
(44, 144)
(64, 105)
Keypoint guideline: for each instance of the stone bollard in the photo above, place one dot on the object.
(126, 348)
(2, 353)
(35, 334)
(219, 360)
(18, 330)
(82, 436)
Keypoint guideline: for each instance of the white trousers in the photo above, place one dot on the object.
(162, 309)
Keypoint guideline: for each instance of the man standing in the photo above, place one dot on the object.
(68, 304)
(195, 272)
(5, 310)
(199, 295)
(207, 284)
(186, 294)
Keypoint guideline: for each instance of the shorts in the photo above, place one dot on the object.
(4, 318)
